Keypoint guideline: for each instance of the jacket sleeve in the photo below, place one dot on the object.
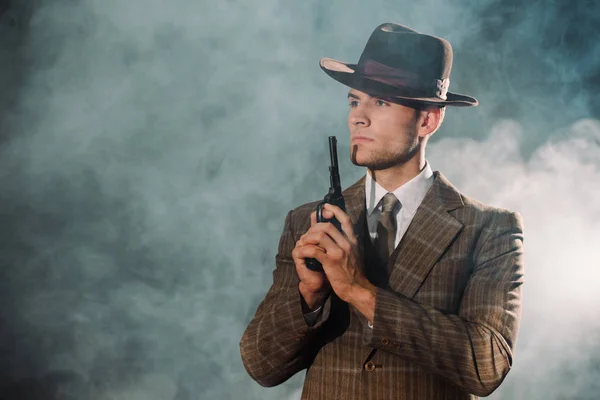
(276, 343)
(473, 349)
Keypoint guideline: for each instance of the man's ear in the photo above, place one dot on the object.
(429, 120)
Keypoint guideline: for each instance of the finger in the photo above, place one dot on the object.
(326, 242)
(298, 259)
(308, 251)
(302, 240)
(345, 222)
(299, 251)
(339, 214)
(345, 239)
(338, 237)
(313, 218)
(328, 214)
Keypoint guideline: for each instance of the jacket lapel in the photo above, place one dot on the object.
(429, 234)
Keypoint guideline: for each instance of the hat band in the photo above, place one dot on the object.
(396, 77)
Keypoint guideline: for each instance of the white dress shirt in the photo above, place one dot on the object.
(410, 195)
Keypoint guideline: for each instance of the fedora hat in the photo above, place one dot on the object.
(403, 64)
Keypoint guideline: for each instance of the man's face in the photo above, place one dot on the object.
(382, 134)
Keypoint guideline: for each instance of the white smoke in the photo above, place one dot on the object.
(557, 191)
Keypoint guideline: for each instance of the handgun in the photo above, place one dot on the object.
(334, 196)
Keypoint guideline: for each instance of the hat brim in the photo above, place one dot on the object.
(346, 74)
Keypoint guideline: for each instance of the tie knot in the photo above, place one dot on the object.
(389, 202)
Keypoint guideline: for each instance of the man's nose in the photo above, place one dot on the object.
(358, 117)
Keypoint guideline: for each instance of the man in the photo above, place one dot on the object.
(420, 295)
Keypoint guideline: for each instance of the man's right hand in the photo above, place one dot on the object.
(314, 286)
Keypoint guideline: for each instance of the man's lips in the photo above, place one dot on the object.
(359, 138)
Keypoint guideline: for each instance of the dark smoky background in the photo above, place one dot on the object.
(150, 150)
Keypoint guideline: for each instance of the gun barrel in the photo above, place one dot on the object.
(333, 151)
(334, 174)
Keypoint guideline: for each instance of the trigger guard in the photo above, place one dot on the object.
(320, 212)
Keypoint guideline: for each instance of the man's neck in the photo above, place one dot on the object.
(392, 178)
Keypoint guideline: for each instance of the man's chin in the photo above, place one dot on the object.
(357, 161)
(357, 158)
(373, 165)
(365, 163)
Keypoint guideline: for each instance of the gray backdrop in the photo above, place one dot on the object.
(150, 150)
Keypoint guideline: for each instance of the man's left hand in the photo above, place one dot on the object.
(340, 258)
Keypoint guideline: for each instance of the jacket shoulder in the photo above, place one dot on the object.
(475, 210)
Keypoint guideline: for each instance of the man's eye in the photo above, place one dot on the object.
(381, 103)
(353, 103)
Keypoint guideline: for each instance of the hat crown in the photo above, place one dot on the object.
(399, 47)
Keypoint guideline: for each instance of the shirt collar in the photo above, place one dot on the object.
(410, 194)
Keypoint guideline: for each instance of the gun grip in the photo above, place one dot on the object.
(311, 263)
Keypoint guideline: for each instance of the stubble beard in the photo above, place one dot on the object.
(384, 159)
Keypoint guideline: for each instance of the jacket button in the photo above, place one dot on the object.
(370, 366)
(385, 341)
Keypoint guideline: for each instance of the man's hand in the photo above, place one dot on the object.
(338, 253)
(314, 286)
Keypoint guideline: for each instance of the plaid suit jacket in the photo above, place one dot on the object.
(446, 316)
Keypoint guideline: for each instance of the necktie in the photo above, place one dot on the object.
(386, 228)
